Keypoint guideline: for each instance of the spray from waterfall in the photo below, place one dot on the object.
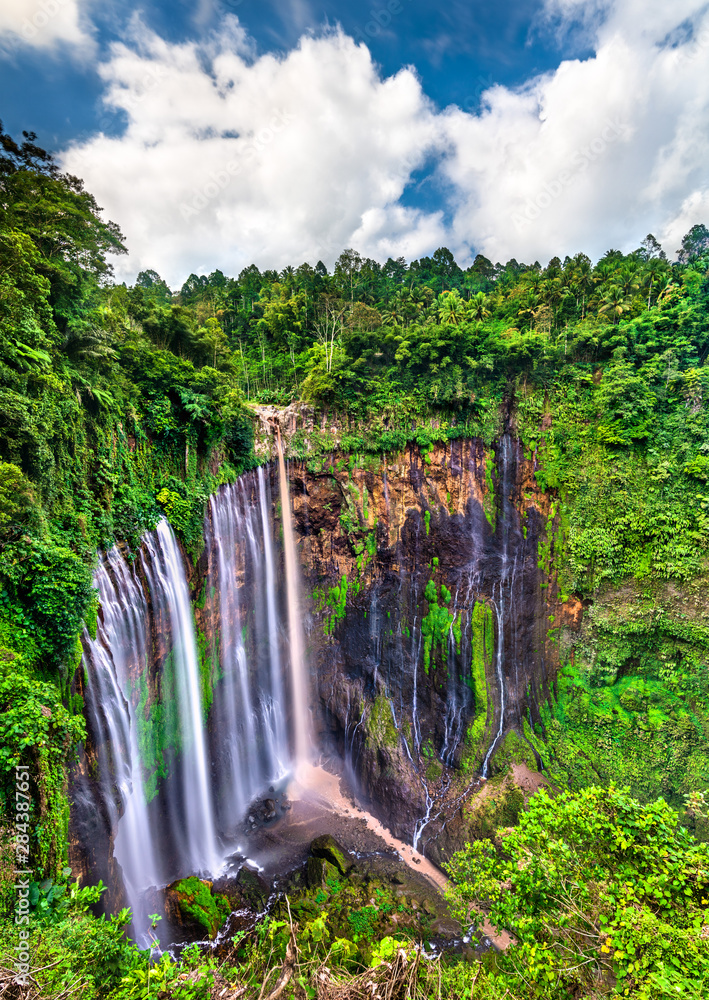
(299, 680)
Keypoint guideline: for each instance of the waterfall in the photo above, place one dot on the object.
(119, 645)
(249, 737)
(233, 701)
(193, 814)
(175, 790)
(273, 622)
(499, 608)
(299, 681)
(504, 588)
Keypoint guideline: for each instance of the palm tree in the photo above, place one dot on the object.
(615, 302)
(477, 306)
(451, 307)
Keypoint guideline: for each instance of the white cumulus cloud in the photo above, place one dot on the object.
(597, 153)
(230, 157)
(43, 24)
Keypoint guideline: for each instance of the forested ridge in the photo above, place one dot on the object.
(120, 404)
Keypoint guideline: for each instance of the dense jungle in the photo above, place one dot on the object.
(499, 479)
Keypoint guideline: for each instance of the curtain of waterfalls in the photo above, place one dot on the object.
(176, 790)
(249, 731)
(120, 648)
(191, 805)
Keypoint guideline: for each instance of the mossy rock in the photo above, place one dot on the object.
(197, 907)
(318, 871)
(326, 847)
(303, 909)
(253, 887)
(434, 771)
(499, 804)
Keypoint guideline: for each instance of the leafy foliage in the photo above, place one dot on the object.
(602, 894)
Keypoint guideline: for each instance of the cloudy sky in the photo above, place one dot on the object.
(218, 133)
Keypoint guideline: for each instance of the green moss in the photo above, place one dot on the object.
(631, 707)
(380, 728)
(498, 805)
(200, 906)
(158, 728)
(483, 651)
(489, 502)
(91, 615)
(209, 672)
(514, 750)
(334, 604)
(433, 771)
(436, 624)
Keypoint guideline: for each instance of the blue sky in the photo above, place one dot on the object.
(459, 50)
(223, 131)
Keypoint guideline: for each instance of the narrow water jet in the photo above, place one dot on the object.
(504, 591)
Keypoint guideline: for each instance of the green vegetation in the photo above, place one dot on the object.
(199, 906)
(119, 405)
(483, 648)
(380, 727)
(335, 601)
(604, 896)
(632, 707)
(437, 623)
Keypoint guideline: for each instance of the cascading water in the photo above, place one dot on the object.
(276, 678)
(234, 710)
(193, 810)
(499, 609)
(119, 645)
(299, 681)
(505, 587)
(200, 780)
(249, 734)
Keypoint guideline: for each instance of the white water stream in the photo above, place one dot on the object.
(298, 673)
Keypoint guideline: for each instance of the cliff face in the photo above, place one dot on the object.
(433, 619)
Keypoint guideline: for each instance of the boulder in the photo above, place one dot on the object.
(191, 905)
(318, 871)
(327, 848)
(253, 887)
